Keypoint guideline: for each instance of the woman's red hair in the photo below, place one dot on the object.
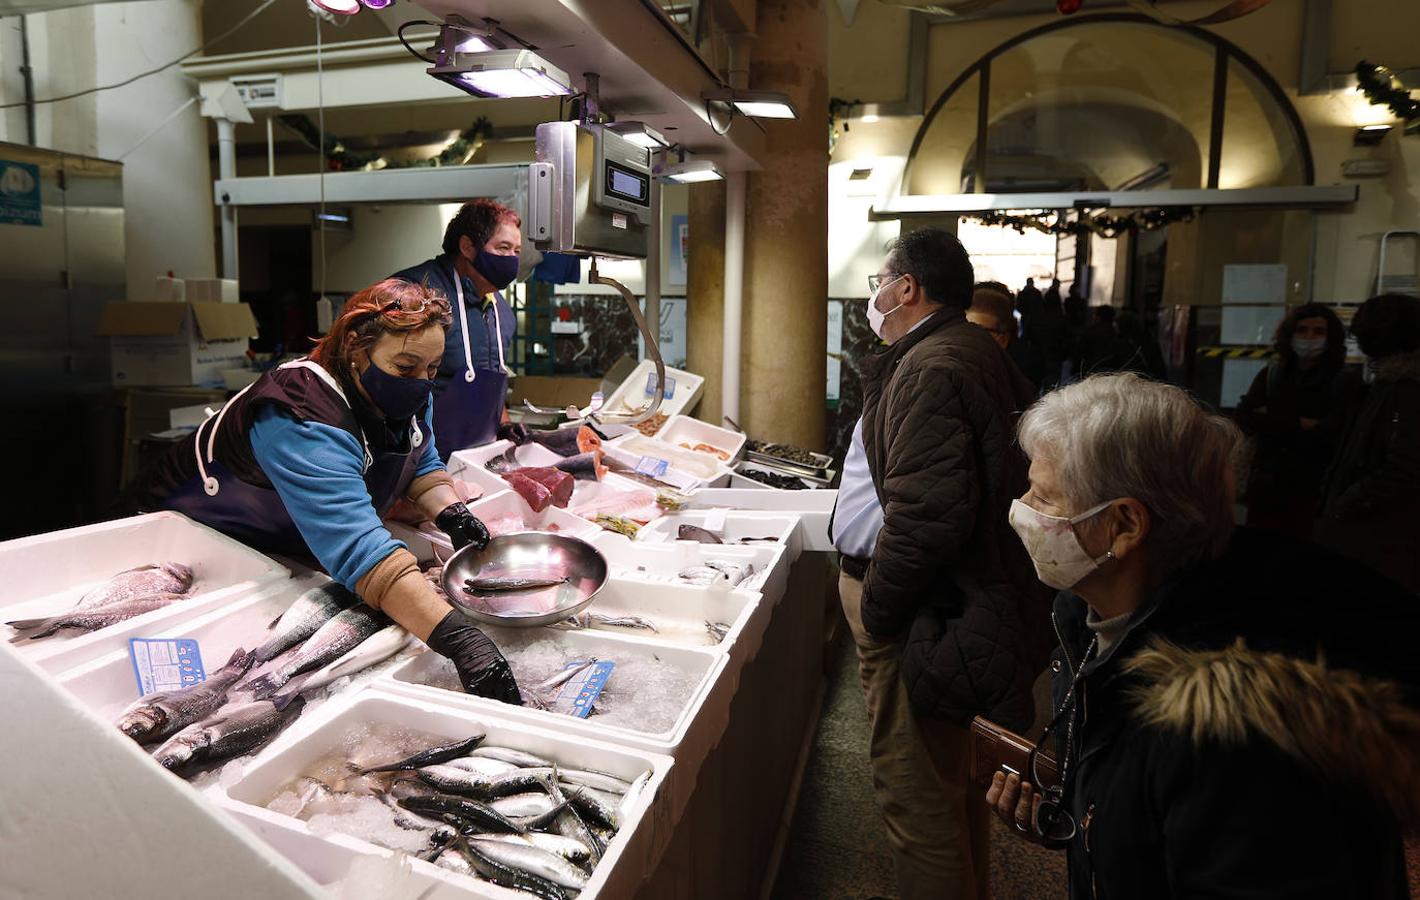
(391, 306)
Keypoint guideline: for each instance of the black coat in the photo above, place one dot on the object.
(1215, 755)
(947, 573)
(1289, 462)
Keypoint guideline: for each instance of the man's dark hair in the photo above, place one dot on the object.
(477, 219)
(939, 263)
(1335, 353)
(1387, 325)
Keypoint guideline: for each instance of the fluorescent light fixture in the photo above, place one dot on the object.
(691, 172)
(1370, 135)
(503, 73)
(757, 104)
(640, 134)
(338, 7)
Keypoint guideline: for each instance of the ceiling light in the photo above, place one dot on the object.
(377, 4)
(1370, 135)
(640, 134)
(757, 104)
(337, 7)
(502, 73)
(691, 172)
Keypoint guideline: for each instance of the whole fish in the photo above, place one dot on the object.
(509, 583)
(540, 821)
(517, 782)
(701, 576)
(304, 617)
(343, 633)
(233, 731)
(139, 583)
(89, 619)
(482, 765)
(529, 803)
(597, 780)
(477, 814)
(565, 847)
(633, 794)
(506, 876)
(599, 807)
(374, 649)
(430, 757)
(717, 630)
(570, 824)
(696, 533)
(565, 675)
(732, 571)
(514, 757)
(158, 716)
(532, 860)
(453, 780)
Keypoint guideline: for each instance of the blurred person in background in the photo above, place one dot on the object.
(992, 309)
(1371, 505)
(1293, 413)
(1096, 349)
(1135, 349)
(1234, 709)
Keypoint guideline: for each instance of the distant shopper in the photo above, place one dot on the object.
(1077, 319)
(1098, 344)
(992, 309)
(1028, 301)
(479, 260)
(1135, 349)
(1293, 412)
(1048, 331)
(1371, 509)
(1231, 717)
(942, 609)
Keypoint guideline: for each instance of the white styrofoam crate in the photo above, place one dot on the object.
(47, 574)
(636, 391)
(659, 563)
(679, 611)
(733, 525)
(429, 543)
(328, 858)
(471, 464)
(814, 508)
(686, 470)
(680, 430)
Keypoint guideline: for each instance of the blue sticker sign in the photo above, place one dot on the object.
(166, 664)
(19, 194)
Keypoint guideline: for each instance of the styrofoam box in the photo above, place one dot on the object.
(636, 391)
(732, 525)
(698, 727)
(630, 856)
(660, 563)
(48, 573)
(471, 464)
(629, 450)
(427, 544)
(679, 611)
(680, 430)
(814, 508)
(738, 479)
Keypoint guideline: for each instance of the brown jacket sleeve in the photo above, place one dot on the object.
(379, 581)
(425, 483)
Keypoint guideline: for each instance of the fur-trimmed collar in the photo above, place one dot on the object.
(1400, 367)
(1343, 724)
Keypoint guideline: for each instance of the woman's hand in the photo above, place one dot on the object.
(1014, 802)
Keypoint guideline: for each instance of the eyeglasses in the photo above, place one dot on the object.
(877, 281)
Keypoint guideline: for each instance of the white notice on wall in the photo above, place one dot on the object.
(1255, 284)
(1237, 378)
(835, 348)
(1250, 324)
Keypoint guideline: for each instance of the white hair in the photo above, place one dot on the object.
(1113, 436)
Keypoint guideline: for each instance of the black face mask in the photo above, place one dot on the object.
(499, 270)
(397, 398)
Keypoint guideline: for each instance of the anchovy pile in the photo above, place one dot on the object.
(494, 813)
(129, 593)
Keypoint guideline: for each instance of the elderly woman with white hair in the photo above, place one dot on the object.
(1233, 709)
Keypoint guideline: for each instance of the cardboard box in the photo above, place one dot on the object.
(213, 290)
(549, 391)
(170, 290)
(156, 344)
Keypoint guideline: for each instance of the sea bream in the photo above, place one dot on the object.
(233, 731)
(138, 583)
(88, 619)
(158, 716)
(343, 633)
(304, 617)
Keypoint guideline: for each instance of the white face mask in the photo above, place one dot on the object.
(1308, 348)
(1060, 561)
(875, 318)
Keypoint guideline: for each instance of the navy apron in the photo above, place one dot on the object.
(255, 515)
(470, 409)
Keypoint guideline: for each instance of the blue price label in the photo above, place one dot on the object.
(651, 386)
(579, 695)
(166, 664)
(650, 465)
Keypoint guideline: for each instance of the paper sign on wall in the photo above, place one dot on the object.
(1255, 284)
(19, 194)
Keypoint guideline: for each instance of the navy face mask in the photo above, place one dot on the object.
(397, 398)
(499, 270)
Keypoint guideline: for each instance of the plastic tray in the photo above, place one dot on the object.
(471, 464)
(635, 392)
(679, 611)
(631, 449)
(328, 858)
(660, 563)
(813, 508)
(732, 525)
(47, 574)
(739, 480)
(680, 430)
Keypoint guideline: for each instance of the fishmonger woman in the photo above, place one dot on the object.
(308, 459)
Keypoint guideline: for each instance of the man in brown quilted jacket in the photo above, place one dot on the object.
(948, 617)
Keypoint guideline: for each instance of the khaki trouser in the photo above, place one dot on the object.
(937, 822)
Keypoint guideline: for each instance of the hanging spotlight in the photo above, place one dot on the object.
(337, 7)
(691, 172)
(502, 73)
(377, 4)
(640, 134)
(757, 104)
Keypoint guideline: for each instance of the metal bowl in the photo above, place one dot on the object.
(526, 554)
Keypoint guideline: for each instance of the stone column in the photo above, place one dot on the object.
(705, 291)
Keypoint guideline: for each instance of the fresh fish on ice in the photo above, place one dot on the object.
(528, 803)
(588, 619)
(90, 619)
(139, 583)
(571, 825)
(596, 806)
(596, 780)
(696, 533)
(375, 649)
(233, 731)
(453, 780)
(733, 572)
(304, 617)
(565, 847)
(430, 757)
(511, 756)
(481, 815)
(160, 715)
(556, 681)
(717, 630)
(343, 633)
(482, 765)
(506, 876)
(532, 860)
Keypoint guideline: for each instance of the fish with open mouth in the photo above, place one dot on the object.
(305, 617)
(158, 716)
(140, 582)
(343, 633)
(233, 731)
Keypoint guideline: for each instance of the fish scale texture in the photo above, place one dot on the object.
(948, 574)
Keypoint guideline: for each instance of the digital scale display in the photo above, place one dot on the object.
(624, 184)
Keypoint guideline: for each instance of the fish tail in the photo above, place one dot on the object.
(262, 688)
(241, 659)
(41, 628)
(289, 702)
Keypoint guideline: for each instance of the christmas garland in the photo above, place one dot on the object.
(1054, 222)
(1383, 88)
(338, 159)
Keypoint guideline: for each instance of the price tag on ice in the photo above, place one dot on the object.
(651, 386)
(166, 664)
(649, 465)
(579, 695)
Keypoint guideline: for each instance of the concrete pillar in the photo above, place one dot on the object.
(786, 255)
(705, 290)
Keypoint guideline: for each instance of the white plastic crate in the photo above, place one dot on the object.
(733, 526)
(47, 574)
(682, 430)
(678, 611)
(683, 389)
(684, 470)
(472, 464)
(813, 508)
(328, 858)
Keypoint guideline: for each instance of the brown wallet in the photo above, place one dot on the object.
(994, 748)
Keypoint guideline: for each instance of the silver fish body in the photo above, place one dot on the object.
(514, 757)
(159, 716)
(429, 757)
(347, 630)
(455, 780)
(88, 619)
(305, 617)
(530, 803)
(375, 649)
(138, 583)
(482, 765)
(600, 807)
(597, 780)
(533, 860)
(565, 847)
(233, 731)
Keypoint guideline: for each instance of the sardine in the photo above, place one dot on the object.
(511, 756)
(509, 583)
(480, 815)
(599, 807)
(343, 633)
(233, 731)
(430, 757)
(571, 825)
(624, 622)
(139, 583)
(91, 619)
(518, 781)
(533, 776)
(533, 860)
(456, 781)
(542, 820)
(696, 533)
(633, 794)
(564, 676)
(161, 715)
(565, 847)
(373, 650)
(597, 780)
(717, 630)
(304, 617)
(482, 765)
(529, 803)
(506, 876)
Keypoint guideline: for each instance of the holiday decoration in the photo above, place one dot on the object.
(1383, 88)
(1054, 222)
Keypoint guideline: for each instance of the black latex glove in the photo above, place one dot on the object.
(482, 669)
(462, 526)
(513, 431)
